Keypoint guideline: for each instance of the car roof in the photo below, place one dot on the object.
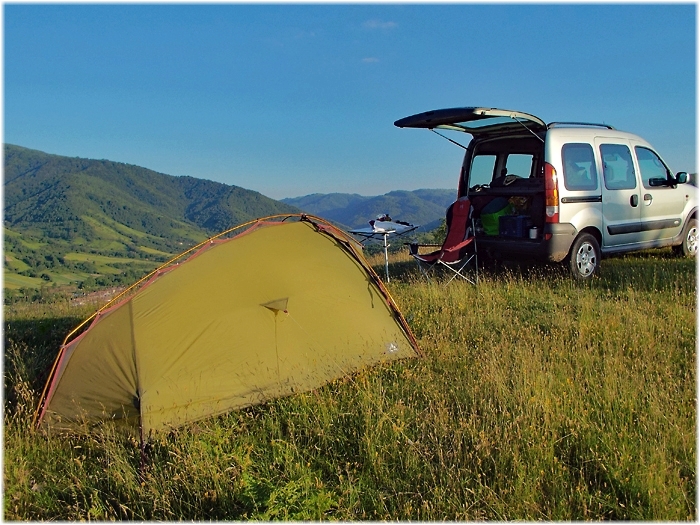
(588, 132)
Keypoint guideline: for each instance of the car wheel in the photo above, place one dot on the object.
(584, 258)
(689, 246)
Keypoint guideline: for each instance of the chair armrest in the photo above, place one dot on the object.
(414, 248)
(459, 246)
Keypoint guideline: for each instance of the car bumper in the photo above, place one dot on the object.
(552, 244)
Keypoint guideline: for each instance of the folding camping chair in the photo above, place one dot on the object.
(459, 248)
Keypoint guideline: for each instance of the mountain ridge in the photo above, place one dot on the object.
(208, 205)
(72, 221)
(424, 207)
(65, 217)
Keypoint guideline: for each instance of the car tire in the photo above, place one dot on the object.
(689, 246)
(584, 257)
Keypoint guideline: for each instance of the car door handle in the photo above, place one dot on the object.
(634, 200)
(647, 199)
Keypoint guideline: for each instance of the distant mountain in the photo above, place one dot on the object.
(52, 194)
(425, 207)
(57, 209)
(89, 223)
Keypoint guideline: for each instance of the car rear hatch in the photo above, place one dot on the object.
(478, 122)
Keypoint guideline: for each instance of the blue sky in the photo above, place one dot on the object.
(289, 100)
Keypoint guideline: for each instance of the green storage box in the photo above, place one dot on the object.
(490, 215)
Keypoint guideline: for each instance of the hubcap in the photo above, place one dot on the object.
(692, 241)
(586, 259)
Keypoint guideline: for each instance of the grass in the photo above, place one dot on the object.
(15, 282)
(104, 263)
(105, 230)
(62, 278)
(153, 251)
(538, 398)
(14, 264)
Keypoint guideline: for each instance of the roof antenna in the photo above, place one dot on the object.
(448, 138)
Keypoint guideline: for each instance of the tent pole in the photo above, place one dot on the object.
(386, 256)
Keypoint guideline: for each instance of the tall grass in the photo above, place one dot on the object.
(537, 398)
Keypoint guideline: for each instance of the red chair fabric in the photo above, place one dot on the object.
(459, 247)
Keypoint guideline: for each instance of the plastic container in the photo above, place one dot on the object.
(513, 226)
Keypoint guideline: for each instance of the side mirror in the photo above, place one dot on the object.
(681, 177)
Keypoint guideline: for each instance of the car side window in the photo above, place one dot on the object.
(519, 164)
(618, 168)
(482, 170)
(650, 166)
(579, 167)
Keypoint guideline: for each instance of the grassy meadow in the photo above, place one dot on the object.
(537, 398)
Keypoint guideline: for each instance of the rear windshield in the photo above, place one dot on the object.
(496, 158)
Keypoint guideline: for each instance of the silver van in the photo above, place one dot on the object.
(565, 191)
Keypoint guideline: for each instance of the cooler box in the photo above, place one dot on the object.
(513, 225)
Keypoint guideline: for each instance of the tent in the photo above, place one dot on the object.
(283, 304)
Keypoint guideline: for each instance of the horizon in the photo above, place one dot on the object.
(291, 100)
(210, 180)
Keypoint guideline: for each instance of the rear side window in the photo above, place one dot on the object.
(482, 170)
(618, 169)
(519, 164)
(650, 166)
(579, 167)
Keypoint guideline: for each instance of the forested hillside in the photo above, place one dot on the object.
(425, 207)
(76, 220)
(71, 221)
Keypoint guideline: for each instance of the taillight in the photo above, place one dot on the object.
(551, 194)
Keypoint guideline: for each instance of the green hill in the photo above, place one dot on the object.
(58, 209)
(425, 207)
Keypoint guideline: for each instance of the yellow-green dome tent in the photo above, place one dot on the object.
(284, 306)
